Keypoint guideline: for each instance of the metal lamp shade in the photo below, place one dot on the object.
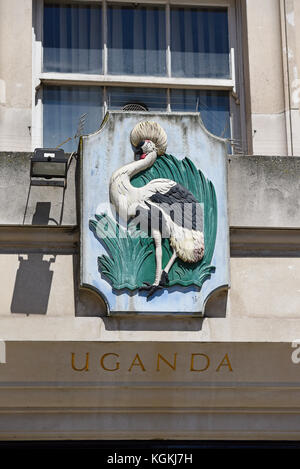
(48, 163)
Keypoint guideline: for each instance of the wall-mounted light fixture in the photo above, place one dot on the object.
(50, 164)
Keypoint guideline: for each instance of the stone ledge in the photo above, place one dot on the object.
(263, 192)
(244, 241)
(266, 242)
(111, 330)
(49, 238)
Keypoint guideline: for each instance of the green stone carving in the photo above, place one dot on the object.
(131, 259)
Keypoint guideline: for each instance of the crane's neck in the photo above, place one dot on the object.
(123, 195)
(122, 176)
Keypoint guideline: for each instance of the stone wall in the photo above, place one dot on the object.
(40, 263)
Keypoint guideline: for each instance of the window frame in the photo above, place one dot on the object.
(234, 84)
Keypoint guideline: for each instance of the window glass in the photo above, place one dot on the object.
(199, 43)
(212, 105)
(136, 45)
(153, 98)
(72, 39)
(136, 40)
(63, 107)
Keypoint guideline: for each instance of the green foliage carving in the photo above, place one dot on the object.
(131, 259)
(129, 252)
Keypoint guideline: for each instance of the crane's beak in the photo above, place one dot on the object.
(138, 152)
(139, 155)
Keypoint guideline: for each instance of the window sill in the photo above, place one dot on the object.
(54, 78)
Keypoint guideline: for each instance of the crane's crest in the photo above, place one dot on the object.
(151, 131)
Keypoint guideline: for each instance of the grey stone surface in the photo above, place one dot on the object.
(21, 204)
(264, 191)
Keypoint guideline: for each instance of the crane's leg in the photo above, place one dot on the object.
(164, 276)
(156, 235)
(158, 255)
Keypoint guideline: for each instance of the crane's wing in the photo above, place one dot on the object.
(181, 205)
(158, 185)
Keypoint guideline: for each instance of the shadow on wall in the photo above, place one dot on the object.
(34, 277)
(41, 214)
(32, 285)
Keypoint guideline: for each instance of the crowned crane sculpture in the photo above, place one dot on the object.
(159, 196)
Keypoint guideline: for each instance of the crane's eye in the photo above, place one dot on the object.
(138, 148)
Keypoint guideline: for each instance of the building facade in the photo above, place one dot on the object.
(71, 371)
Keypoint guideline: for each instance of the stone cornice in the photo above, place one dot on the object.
(244, 241)
(46, 238)
(264, 242)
